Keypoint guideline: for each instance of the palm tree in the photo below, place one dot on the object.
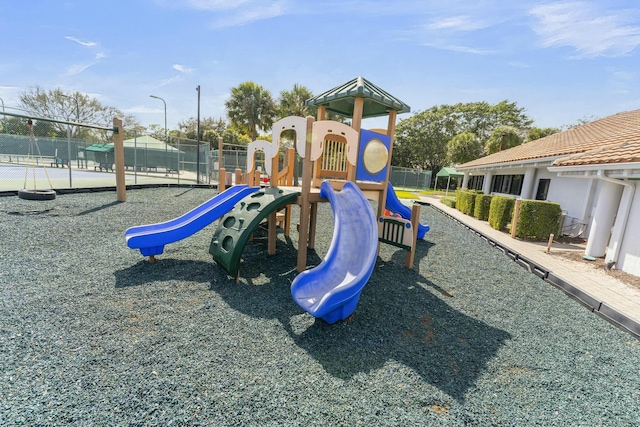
(292, 103)
(251, 108)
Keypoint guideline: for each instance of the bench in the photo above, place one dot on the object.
(58, 162)
(106, 166)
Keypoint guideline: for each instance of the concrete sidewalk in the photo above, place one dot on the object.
(614, 300)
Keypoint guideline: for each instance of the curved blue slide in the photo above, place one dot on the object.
(396, 206)
(150, 239)
(331, 290)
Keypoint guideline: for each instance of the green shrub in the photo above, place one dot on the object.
(501, 211)
(448, 201)
(482, 205)
(465, 201)
(537, 219)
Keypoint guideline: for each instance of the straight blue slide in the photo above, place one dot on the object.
(396, 206)
(150, 239)
(331, 290)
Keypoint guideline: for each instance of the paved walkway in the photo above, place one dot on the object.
(605, 295)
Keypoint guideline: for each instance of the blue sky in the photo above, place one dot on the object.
(562, 61)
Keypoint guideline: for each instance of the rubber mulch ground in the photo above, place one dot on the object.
(91, 334)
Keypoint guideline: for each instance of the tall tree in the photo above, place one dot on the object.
(251, 109)
(537, 133)
(502, 138)
(423, 138)
(292, 103)
(74, 107)
(210, 129)
(464, 147)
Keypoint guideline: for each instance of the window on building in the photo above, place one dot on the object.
(543, 189)
(475, 182)
(507, 184)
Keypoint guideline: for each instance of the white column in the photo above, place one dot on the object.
(617, 234)
(527, 183)
(603, 218)
(465, 180)
(486, 185)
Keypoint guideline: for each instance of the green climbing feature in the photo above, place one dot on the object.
(235, 227)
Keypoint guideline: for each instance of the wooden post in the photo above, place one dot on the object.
(391, 129)
(303, 231)
(238, 176)
(222, 179)
(271, 234)
(415, 222)
(549, 243)
(313, 220)
(356, 123)
(514, 221)
(118, 153)
(291, 162)
(273, 179)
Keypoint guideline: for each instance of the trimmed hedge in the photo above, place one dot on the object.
(482, 205)
(538, 219)
(465, 201)
(448, 201)
(501, 211)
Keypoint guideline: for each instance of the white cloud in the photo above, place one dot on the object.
(457, 23)
(255, 12)
(182, 68)
(589, 31)
(171, 80)
(216, 4)
(78, 68)
(80, 42)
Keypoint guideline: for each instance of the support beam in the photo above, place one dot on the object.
(303, 231)
(118, 153)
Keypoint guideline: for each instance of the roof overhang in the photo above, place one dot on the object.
(615, 170)
(531, 163)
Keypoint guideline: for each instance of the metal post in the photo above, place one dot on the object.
(166, 141)
(4, 118)
(198, 140)
(135, 157)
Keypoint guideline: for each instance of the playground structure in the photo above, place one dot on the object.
(343, 165)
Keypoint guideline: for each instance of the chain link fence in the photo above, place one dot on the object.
(46, 153)
(410, 179)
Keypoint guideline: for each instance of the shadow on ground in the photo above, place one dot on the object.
(401, 316)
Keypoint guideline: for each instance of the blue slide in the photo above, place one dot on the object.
(396, 206)
(150, 239)
(331, 290)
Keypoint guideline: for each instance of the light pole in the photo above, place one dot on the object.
(166, 142)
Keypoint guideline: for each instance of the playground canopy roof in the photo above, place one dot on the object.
(377, 102)
(449, 172)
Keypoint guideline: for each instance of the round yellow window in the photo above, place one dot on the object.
(375, 156)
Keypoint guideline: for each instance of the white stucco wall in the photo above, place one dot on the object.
(571, 193)
(629, 257)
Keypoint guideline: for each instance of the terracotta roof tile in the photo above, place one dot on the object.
(619, 133)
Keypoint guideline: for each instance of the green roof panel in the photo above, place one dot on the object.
(100, 148)
(341, 99)
(449, 172)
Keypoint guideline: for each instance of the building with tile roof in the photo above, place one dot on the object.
(592, 170)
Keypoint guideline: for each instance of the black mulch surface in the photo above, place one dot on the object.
(91, 334)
